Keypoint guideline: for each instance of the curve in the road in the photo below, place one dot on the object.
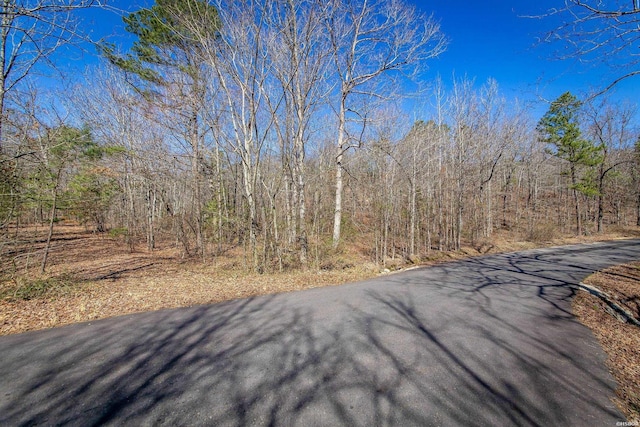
(487, 341)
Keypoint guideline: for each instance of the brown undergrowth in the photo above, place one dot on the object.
(621, 341)
(92, 276)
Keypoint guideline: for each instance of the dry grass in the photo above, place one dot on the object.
(621, 341)
(96, 276)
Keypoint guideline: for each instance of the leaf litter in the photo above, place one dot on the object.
(621, 341)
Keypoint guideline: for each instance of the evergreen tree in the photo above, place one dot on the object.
(560, 128)
(168, 59)
(164, 39)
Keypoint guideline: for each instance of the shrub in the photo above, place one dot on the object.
(28, 289)
(541, 233)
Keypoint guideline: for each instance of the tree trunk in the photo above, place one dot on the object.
(299, 157)
(52, 218)
(489, 217)
(5, 26)
(576, 201)
(412, 210)
(2, 96)
(151, 208)
(289, 204)
(302, 236)
(194, 137)
(600, 212)
(638, 209)
(251, 204)
(131, 212)
(337, 215)
(219, 199)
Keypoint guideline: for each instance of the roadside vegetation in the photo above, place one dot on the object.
(620, 340)
(96, 275)
(289, 133)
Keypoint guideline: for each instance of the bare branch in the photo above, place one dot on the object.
(596, 31)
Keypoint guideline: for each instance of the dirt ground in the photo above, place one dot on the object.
(621, 341)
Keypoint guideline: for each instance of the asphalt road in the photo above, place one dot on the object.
(489, 341)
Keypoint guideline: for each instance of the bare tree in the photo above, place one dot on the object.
(239, 59)
(299, 50)
(30, 32)
(610, 126)
(372, 41)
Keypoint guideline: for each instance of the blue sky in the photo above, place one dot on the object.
(489, 38)
(496, 38)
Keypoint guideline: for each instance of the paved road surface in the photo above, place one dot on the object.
(487, 342)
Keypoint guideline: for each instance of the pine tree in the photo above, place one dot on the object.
(560, 128)
(167, 58)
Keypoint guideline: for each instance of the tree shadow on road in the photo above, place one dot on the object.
(439, 346)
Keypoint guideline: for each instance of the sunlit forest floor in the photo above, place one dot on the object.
(621, 341)
(92, 276)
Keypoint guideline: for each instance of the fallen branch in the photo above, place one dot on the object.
(616, 310)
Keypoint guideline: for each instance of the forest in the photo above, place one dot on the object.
(290, 130)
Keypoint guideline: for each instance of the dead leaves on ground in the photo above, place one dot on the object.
(621, 341)
(121, 284)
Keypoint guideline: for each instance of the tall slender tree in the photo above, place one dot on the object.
(300, 52)
(560, 128)
(372, 42)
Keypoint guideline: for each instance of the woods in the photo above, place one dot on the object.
(295, 130)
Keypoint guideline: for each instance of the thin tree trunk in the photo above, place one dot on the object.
(601, 204)
(302, 236)
(300, 175)
(638, 209)
(337, 215)
(219, 199)
(505, 193)
(5, 27)
(289, 204)
(54, 206)
(131, 214)
(489, 223)
(2, 96)
(412, 210)
(194, 136)
(151, 208)
(251, 204)
(576, 201)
